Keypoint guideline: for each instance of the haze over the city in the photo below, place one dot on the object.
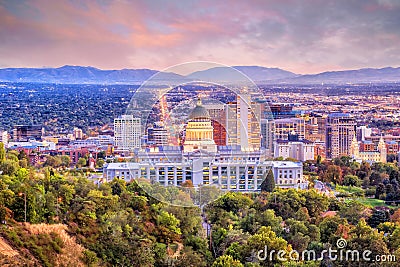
(299, 36)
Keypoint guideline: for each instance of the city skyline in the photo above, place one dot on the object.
(302, 37)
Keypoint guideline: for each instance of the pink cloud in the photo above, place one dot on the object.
(122, 34)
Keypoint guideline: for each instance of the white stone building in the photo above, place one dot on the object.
(301, 150)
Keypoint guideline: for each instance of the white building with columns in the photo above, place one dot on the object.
(204, 163)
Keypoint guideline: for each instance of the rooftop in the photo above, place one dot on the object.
(338, 115)
(199, 112)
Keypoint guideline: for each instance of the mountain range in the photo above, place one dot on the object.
(260, 75)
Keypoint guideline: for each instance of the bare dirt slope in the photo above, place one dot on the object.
(71, 252)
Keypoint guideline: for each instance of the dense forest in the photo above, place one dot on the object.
(120, 224)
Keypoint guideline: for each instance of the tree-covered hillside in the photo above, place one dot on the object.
(119, 224)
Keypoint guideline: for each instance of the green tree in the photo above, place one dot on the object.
(9, 167)
(334, 174)
(328, 228)
(363, 237)
(265, 238)
(2, 152)
(65, 161)
(89, 258)
(254, 219)
(100, 162)
(81, 163)
(53, 161)
(351, 180)
(189, 258)
(353, 211)
(225, 261)
(378, 216)
(268, 184)
(169, 226)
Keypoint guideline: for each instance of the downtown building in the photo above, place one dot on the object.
(243, 119)
(217, 112)
(4, 137)
(368, 151)
(127, 133)
(340, 130)
(295, 148)
(285, 127)
(157, 135)
(27, 132)
(202, 161)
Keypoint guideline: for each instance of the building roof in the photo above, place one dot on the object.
(199, 112)
(288, 120)
(286, 164)
(338, 115)
(123, 165)
(304, 141)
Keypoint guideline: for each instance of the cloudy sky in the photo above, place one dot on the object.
(300, 36)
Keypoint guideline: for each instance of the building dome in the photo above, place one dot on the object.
(199, 112)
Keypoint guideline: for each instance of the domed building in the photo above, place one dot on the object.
(199, 131)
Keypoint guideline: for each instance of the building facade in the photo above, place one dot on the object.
(157, 135)
(301, 150)
(284, 127)
(369, 152)
(127, 133)
(340, 130)
(243, 123)
(27, 132)
(4, 137)
(217, 114)
(267, 136)
(202, 162)
(228, 170)
(199, 134)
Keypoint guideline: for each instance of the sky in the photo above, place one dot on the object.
(299, 36)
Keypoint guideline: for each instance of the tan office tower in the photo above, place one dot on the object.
(127, 133)
(78, 133)
(243, 123)
(340, 130)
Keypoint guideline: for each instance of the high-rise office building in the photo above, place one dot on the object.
(285, 127)
(26, 132)
(157, 135)
(243, 123)
(281, 111)
(267, 136)
(77, 133)
(217, 113)
(340, 130)
(363, 132)
(127, 133)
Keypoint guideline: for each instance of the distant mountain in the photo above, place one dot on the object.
(367, 75)
(78, 74)
(260, 75)
(234, 74)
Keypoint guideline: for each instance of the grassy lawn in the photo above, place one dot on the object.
(372, 202)
(349, 189)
